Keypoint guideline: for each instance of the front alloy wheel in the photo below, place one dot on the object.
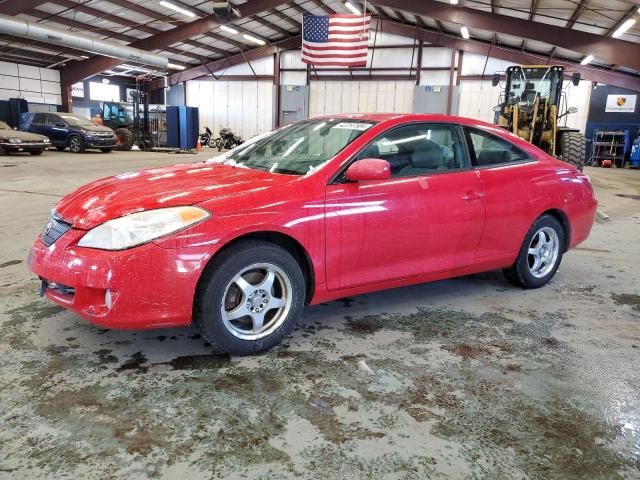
(256, 301)
(249, 297)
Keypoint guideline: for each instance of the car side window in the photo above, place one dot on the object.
(487, 149)
(40, 119)
(419, 149)
(53, 119)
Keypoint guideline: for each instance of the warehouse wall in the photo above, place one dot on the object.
(247, 107)
(34, 84)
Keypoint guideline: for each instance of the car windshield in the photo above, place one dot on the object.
(4, 126)
(77, 121)
(298, 148)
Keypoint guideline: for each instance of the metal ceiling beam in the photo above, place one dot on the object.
(632, 11)
(513, 55)
(81, 70)
(604, 49)
(15, 7)
(509, 54)
(576, 13)
(237, 59)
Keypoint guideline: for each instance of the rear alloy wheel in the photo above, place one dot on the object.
(573, 148)
(76, 144)
(540, 254)
(249, 298)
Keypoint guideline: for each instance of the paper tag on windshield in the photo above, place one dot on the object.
(352, 126)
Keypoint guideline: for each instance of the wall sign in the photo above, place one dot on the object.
(77, 90)
(621, 103)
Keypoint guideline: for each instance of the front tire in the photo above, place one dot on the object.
(540, 254)
(124, 138)
(76, 144)
(249, 298)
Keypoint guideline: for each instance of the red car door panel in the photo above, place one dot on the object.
(403, 227)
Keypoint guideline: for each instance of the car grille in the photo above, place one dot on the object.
(54, 229)
(104, 134)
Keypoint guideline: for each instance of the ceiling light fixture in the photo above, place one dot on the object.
(230, 30)
(253, 39)
(176, 8)
(353, 8)
(175, 66)
(465, 32)
(624, 27)
(586, 60)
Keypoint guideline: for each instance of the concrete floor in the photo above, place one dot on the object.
(466, 378)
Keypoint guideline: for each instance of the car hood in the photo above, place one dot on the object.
(179, 185)
(95, 128)
(24, 136)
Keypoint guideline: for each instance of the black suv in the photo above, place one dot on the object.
(78, 133)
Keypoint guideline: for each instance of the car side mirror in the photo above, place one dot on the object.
(572, 110)
(368, 169)
(575, 78)
(495, 80)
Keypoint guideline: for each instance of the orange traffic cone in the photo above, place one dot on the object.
(198, 145)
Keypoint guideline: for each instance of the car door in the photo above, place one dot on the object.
(427, 218)
(506, 173)
(57, 128)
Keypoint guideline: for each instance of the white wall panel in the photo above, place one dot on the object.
(332, 97)
(477, 99)
(291, 59)
(430, 77)
(293, 78)
(394, 58)
(244, 106)
(24, 81)
(439, 57)
(262, 66)
(474, 64)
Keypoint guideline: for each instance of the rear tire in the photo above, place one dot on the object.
(76, 144)
(125, 139)
(573, 148)
(540, 254)
(249, 298)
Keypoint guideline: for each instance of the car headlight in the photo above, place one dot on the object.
(14, 140)
(143, 227)
(45, 140)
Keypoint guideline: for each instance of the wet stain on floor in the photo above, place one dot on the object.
(630, 299)
(10, 263)
(496, 395)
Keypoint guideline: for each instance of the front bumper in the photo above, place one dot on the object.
(149, 286)
(24, 147)
(98, 142)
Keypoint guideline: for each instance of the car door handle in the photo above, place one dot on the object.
(470, 196)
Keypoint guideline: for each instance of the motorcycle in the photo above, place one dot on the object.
(227, 139)
(206, 137)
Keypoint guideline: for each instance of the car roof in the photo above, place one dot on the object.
(408, 117)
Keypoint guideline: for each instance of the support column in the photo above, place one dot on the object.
(451, 73)
(67, 103)
(419, 62)
(276, 83)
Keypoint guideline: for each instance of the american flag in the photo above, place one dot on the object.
(335, 40)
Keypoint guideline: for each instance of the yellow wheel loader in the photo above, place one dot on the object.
(532, 105)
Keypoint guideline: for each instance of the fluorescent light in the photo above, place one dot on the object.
(353, 8)
(465, 32)
(229, 29)
(176, 8)
(586, 60)
(176, 67)
(624, 27)
(454, 2)
(253, 39)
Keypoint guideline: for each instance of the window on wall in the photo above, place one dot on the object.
(488, 149)
(104, 92)
(419, 149)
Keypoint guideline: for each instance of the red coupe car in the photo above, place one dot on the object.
(313, 211)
